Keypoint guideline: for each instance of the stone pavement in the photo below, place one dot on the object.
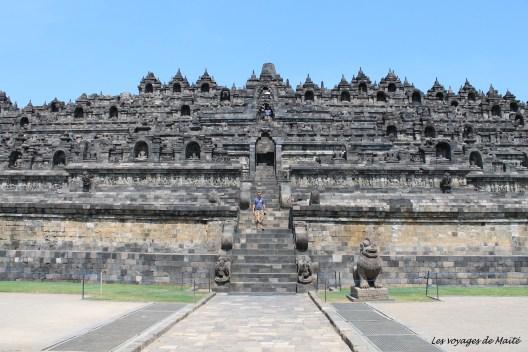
(466, 317)
(108, 336)
(253, 324)
(31, 322)
(386, 334)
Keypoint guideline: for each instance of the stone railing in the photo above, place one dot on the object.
(155, 175)
(351, 176)
(499, 183)
(30, 181)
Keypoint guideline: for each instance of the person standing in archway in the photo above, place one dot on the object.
(259, 205)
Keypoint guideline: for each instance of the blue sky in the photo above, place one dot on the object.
(64, 48)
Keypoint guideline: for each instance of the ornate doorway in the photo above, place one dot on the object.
(265, 151)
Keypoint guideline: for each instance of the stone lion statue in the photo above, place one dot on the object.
(368, 266)
(304, 270)
(223, 270)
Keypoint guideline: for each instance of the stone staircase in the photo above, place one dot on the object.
(263, 261)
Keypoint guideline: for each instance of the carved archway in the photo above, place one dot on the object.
(496, 110)
(416, 98)
(362, 87)
(24, 121)
(59, 159)
(113, 112)
(78, 113)
(475, 159)
(185, 110)
(55, 107)
(392, 132)
(141, 151)
(519, 120)
(176, 88)
(192, 151)
(149, 88)
(265, 151)
(225, 95)
(468, 132)
(14, 156)
(430, 132)
(443, 151)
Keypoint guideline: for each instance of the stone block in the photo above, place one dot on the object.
(368, 294)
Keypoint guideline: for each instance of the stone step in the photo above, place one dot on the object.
(266, 217)
(274, 215)
(263, 277)
(304, 288)
(283, 231)
(281, 287)
(251, 236)
(263, 251)
(255, 258)
(260, 245)
(270, 214)
(251, 220)
(224, 288)
(263, 268)
(267, 224)
(252, 226)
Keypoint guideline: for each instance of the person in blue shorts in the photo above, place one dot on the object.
(259, 205)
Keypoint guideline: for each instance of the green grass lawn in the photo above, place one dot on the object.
(402, 294)
(110, 291)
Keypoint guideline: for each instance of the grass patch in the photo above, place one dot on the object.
(417, 294)
(110, 291)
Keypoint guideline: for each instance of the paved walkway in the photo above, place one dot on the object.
(253, 324)
(31, 322)
(113, 334)
(466, 318)
(387, 334)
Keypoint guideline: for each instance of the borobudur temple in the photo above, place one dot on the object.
(156, 186)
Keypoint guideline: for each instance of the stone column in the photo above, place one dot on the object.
(278, 160)
(252, 161)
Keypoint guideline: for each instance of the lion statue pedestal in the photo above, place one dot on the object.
(366, 275)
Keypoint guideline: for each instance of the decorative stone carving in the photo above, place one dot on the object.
(301, 241)
(223, 270)
(285, 195)
(315, 197)
(245, 195)
(368, 266)
(227, 241)
(304, 269)
(86, 182)
(445, 183)
(213, 197)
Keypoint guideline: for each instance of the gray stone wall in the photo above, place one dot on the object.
(130, 267)
(456, 270)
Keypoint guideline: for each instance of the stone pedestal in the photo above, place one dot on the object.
(368, 294)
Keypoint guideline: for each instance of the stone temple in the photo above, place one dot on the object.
(156, 186)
